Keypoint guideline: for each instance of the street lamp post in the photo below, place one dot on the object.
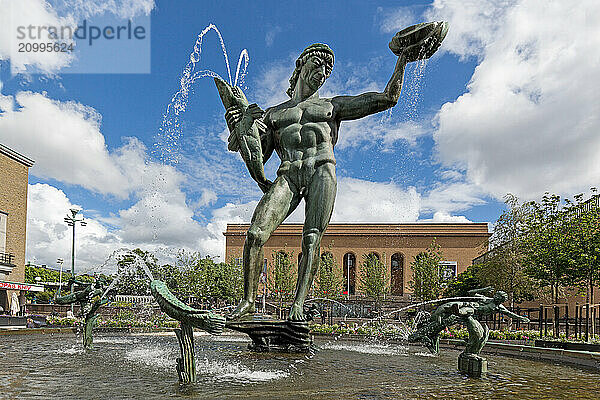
(60, 262)
(72, 220)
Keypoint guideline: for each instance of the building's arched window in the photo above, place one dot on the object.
(349, 267)
(299, 258)
(397, 274)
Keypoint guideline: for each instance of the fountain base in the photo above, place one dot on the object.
(269, 334)
(473, 365)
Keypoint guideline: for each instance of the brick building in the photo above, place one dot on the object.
(395, 244)
(14, 173)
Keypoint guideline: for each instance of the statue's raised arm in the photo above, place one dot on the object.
(414, 43)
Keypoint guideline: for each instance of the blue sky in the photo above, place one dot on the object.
(506, 105)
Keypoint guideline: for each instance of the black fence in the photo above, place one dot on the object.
(579, 321)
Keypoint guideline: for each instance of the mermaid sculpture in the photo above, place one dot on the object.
(464, 313)
(89, 297)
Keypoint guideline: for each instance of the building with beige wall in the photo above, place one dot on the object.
(14, 174)
(395, 244)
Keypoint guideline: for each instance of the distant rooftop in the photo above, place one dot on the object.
(378, 229)
(28, 162)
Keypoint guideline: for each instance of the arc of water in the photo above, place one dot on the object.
(243, 57)
(465, 298)
(138, 263)
(169, 132)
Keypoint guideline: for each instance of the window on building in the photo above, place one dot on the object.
(397, 274)
(349, 263)
(3, 219)
(299, 258)
(238, 261)
(448, 270)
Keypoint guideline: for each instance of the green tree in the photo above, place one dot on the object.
(329, 280)
(132, 279)
(464, 282)
(426, 282)
(228, 282)
(504, 268)
(582, 222)
(374, 277)
(546, 254)
(282, 280)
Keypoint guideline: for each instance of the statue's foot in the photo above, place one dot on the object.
(244, 308)
(296, 313)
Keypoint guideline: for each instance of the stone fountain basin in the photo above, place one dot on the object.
(141, 367)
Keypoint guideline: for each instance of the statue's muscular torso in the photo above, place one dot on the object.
(304, 135)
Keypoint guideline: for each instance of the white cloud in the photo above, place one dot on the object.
(269, 88)
(64, 139)
(364, 201)
(393, 20)
(378, 130)
(270, 35)
(441, 216)
(88, 8)
(452, 196)
(529, 120)
(49, 238)
(473, 23)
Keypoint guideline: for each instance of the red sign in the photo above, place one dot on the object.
(20, 286)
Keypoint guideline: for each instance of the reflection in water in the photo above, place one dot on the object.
(143, 367)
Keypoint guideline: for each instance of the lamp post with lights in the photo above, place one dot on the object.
(72, 220)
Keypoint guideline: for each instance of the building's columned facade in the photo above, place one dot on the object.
(395, 244)
(14, 174)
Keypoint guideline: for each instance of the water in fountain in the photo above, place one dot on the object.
(119, 255)
(170, 131)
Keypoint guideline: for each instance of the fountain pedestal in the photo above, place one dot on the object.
(269, 334)
(473, 365)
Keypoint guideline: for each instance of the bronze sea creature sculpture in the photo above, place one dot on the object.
(189, 318)
(89, 297)
(466, 313)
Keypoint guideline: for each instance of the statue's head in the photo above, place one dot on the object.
(314, 65)
(500, 297)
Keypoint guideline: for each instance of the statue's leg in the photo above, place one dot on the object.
(477, 336)
(87, 331)
(270, 212)
(484, 339)
(319, 206)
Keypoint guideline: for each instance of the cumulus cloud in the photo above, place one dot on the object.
(364, 201)
(441, 216)
(452, 196)
(528, 122)
(393, 20)
(64, 139)
(49, 238)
